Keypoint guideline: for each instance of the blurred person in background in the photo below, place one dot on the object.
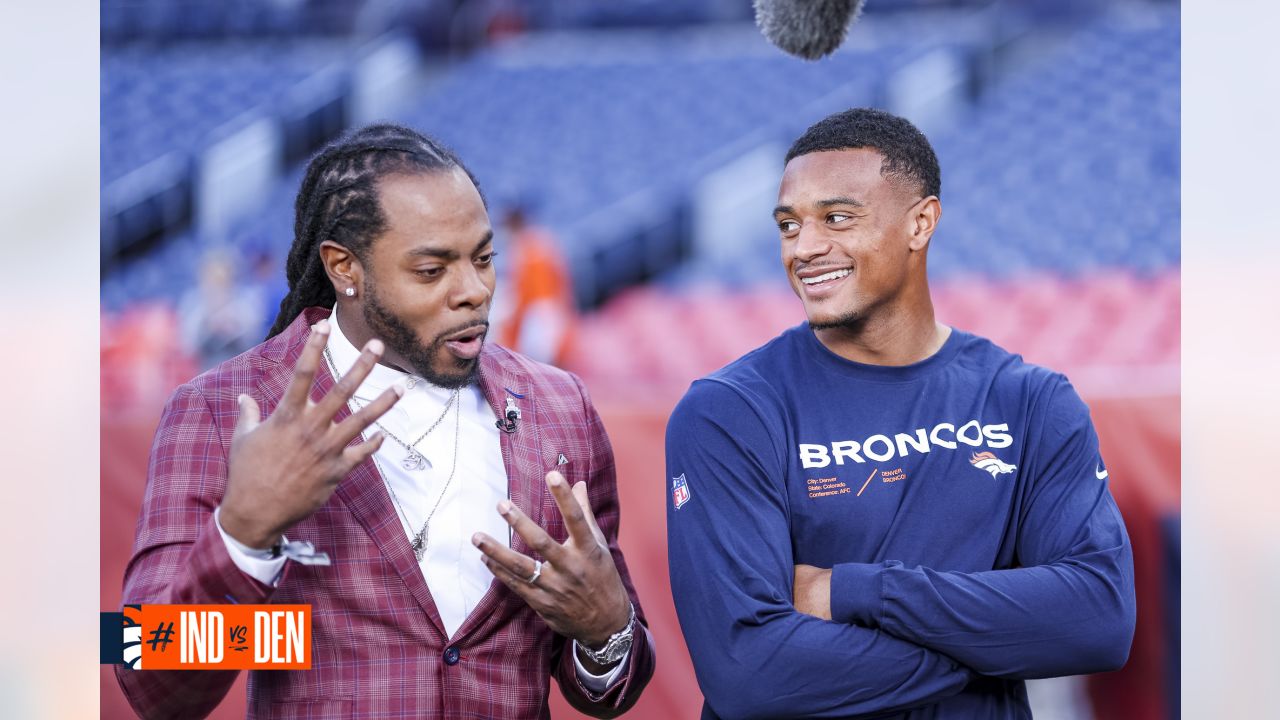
(874, 512)
(269, 281)
(541, 315)
(223, 315)
(394, 541)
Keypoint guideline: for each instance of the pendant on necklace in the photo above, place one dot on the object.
(414, 461)
(419, 544)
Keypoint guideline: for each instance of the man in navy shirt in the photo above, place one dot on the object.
(875, 513)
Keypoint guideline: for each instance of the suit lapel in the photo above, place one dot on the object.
(520, 449)
(501, 379)
(363, 490)
(365, 494)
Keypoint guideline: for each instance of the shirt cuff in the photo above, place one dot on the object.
(598, 684)
(856, 593)
(257, 564)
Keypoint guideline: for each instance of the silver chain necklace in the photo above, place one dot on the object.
(419, 543)
(413, 460)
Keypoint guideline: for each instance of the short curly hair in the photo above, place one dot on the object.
(906, 151)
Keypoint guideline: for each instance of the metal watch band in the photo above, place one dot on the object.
(617, 646)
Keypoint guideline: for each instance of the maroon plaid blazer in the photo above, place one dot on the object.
(378, 645)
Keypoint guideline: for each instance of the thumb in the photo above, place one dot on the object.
(580, 494)
(249, 417)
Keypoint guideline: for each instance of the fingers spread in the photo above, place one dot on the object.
(249, 417)
(350, 382)
(350, 428)
(499, 556)
(536, 537)
(357, 454)
(304, 373)
(580, 494)
(529, 592)
(574, 520)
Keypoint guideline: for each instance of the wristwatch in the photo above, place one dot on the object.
(617, 646)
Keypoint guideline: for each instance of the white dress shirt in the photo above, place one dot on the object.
(451, 566)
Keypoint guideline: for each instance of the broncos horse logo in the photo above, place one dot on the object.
(992, 464)
(133, 636)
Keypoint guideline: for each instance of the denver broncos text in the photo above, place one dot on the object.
(881, 448)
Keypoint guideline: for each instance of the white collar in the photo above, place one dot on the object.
(345, 354)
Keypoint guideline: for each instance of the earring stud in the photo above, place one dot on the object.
(351, 292)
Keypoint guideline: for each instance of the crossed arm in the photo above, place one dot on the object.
(901, 637)
(731, 566)
(1067, 610)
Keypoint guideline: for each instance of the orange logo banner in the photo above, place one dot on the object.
(218, 637)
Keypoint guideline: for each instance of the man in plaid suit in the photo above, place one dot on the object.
(452, 571)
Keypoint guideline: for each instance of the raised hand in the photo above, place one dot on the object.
(283, 469)
(578, 591)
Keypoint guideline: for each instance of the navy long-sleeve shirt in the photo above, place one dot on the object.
(961, 503)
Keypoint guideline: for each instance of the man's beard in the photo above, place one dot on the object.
(853, 320)
(404, 341)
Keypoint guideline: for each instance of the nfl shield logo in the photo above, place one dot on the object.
(679, 490)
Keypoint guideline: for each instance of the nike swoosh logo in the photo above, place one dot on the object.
(1102, 474)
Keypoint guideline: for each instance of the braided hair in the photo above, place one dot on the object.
(338, 201)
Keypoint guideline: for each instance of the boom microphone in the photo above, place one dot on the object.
(808, 29)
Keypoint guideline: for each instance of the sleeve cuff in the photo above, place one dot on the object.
(597, 684)
(856, 593)
(265, 570)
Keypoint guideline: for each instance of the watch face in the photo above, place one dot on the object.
(623, 647)
(615, 650)
(617, 646)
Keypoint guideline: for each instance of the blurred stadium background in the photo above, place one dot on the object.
(644, 140)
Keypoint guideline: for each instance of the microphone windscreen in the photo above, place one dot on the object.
(808, 29)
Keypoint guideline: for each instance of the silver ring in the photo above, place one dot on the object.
(537, 572)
